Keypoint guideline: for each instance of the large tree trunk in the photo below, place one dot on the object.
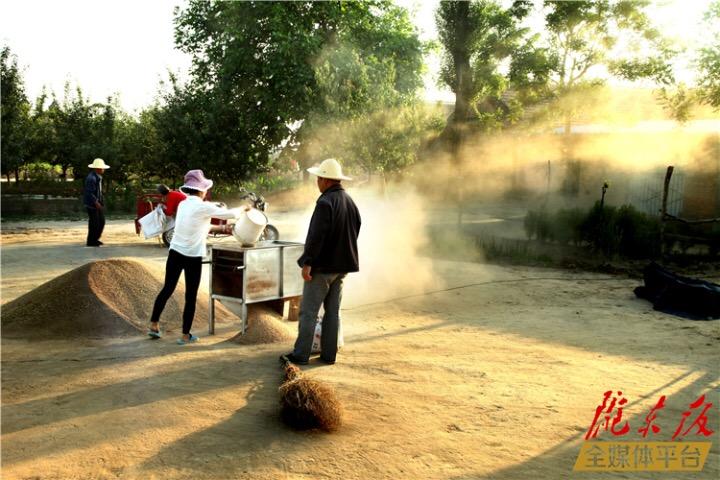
(306, 153)
(573, 167)
(463, 95)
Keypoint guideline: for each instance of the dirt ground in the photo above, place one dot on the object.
(486, 372)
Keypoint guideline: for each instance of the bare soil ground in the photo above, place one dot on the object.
(488, 372)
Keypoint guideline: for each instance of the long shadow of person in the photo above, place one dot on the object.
(242, 443)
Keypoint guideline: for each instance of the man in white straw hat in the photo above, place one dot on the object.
(93, 200)
(330, 254)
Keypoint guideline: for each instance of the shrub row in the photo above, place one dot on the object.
(611, 230)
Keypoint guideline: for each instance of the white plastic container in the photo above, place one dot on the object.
(249, 226)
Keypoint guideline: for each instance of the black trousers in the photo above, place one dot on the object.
(96, 225)
(176, 263)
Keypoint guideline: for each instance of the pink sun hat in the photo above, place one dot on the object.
(196, 180)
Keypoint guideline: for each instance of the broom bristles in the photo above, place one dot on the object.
(291, 371)
(307, 404)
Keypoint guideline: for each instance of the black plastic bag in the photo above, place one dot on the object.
(686, 297)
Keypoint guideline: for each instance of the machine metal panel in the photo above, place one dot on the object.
(292, 279)
(263, 274)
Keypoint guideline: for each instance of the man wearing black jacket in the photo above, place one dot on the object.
(330, 254)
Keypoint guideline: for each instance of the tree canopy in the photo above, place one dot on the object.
(269, 81)
(15, 113)
(277, 81)
(476, 38)
(490, 52)
(267, 74)
(708, 62)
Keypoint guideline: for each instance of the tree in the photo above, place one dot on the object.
(585, 35)
(267, 73)
(361, 117)
(15, 115)
(585, 42)
(385, 141)
(75, 131)
(679, 99)
(139, 146)
(476, 38)
(42, 139)
(708, 62)
(72, 125)
(198, 128)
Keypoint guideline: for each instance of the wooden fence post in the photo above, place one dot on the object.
(663, 211)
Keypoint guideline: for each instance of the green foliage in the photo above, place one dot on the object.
(384, 141)
(599, 229)
(586, 33)
(708, 62)
(609, 230)
(50, 188)
(268, 74)
(121, 199)
(638, 232)
(42, 171)
(260, 184)
(562, 227)
(581, 35)
(481, 37)
(531, 68)
(477, 37)
(678, 101)
(71, 133)
(268, 79)
(15, 109)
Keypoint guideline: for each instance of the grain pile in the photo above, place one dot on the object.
(307, 404)
(106, 298)
(265, 326)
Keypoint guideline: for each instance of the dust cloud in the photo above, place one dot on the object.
(391, 244)
(412, 216)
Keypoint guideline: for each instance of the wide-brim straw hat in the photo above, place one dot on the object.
(196, 180)
(99, 163)
(329, 168)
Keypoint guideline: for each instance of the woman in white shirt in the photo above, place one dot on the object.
(188, 246)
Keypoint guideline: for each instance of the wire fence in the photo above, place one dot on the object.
(647, 192)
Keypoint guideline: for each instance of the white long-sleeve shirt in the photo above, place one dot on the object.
(192, 225)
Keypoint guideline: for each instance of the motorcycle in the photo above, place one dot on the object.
(270, 233)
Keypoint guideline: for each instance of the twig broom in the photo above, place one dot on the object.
(306, 403)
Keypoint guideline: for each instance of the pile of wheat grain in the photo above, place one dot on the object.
(106, 298)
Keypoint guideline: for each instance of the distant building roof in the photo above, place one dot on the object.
(647, 126)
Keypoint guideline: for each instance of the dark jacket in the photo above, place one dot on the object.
(93, 190)
(331, 244)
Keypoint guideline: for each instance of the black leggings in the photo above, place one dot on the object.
(176, 263)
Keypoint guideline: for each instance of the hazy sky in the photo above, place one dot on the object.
(127, 46)
(104, 46)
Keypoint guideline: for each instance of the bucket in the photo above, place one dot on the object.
(249, 226)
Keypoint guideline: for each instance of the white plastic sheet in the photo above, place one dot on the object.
(153, 224)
